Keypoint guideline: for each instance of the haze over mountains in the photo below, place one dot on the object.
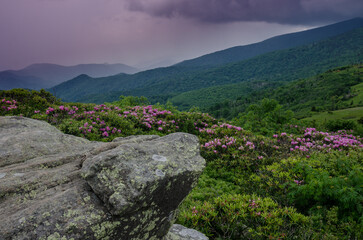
(271, 62)
(285, 41)
(47, 75)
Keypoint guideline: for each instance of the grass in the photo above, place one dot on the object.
(358, 90)
(344, 114)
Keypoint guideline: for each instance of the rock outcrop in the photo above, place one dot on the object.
(57, 186)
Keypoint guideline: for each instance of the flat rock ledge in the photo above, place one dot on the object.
(58, 186)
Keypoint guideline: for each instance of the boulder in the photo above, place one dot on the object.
(58, 186)
(179, 232)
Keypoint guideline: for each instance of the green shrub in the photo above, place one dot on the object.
(331, 192)
(321, 192)
(339, 124)
(245, 217)
(264, 118)
(131, 101)
(328, 226)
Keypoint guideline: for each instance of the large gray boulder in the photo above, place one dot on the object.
(57, 186)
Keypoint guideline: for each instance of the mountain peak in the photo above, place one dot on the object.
(46, 75)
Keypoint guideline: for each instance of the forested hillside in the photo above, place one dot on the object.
(332, 90)
(273, 69)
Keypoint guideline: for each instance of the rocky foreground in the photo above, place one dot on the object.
(58, 186)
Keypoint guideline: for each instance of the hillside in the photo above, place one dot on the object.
(170, 81)
(280, 66)
(299, 182)
(343, 114)
(335, 89)
(239, 53)
(47, 75)
(78, 89)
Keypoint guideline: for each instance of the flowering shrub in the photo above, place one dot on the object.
(26, 102)
(7, 106)
(313, 140)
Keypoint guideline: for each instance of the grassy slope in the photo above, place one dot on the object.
(358, 99)
(354, 113)
(344, 114)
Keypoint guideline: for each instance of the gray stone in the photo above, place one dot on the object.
(179, 232)
(56, 186)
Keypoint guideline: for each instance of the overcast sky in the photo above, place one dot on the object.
(150, 32)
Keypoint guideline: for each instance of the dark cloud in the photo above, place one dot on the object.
(70, 32)
(277, 11)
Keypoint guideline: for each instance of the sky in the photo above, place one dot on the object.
(150, 33)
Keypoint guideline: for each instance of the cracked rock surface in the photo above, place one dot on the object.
(58, 186)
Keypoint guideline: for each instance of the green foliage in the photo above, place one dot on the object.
(245, 217)
(265, 118)
(131, 101)
(214, 182)
(28, 101)
(356, 97)
(338, 124)
(329, 180)
(334, 89)
(337, 120)
(327, 187)
(273, 180)
(219, 96)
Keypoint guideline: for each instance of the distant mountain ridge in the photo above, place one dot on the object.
(190, 75)
(46, 75)
(164, 84)
(240, 53)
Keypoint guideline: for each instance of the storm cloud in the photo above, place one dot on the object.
(146, 33)
(277, 11)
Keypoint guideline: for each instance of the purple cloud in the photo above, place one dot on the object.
(277, 11)
(145, 32)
